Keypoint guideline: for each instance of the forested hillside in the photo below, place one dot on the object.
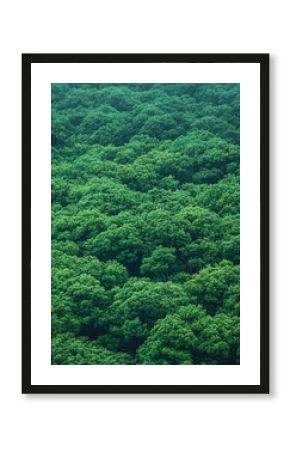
(145, 223)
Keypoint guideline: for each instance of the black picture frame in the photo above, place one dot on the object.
(27, 61)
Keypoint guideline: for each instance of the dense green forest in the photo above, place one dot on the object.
(145, 224)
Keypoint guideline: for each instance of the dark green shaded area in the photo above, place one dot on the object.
(145, 224)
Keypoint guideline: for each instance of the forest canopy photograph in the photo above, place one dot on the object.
(145, 224)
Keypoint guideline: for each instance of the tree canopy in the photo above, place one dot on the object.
(145, 223)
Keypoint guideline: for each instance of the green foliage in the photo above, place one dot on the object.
(160, 264)
(138, 305)
(192, 337)
(212, 285)
(145, 224)
(68, 349)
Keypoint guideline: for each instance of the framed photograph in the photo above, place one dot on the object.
(145, 223)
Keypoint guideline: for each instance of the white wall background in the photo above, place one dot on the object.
(130, 422)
